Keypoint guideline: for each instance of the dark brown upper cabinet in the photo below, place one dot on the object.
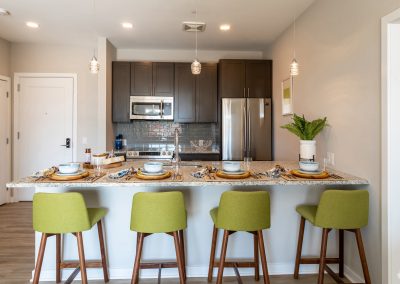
(121, 87)
(245, 78)
(195, 95)
(152, 79)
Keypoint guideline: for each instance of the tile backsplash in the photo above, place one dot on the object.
(163, 132)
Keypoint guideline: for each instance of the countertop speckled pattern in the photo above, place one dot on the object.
(190, 181)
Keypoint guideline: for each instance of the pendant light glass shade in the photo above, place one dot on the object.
(196, 67)
(94, 65)
(294, 68)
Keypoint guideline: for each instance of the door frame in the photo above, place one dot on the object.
(9, 131)
(74, 140)
(388, 92)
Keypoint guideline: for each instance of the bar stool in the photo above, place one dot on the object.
(246, 212)
(159, 212)
(338, 209)
(55, 214)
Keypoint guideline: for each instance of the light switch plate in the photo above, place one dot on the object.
(84, 140)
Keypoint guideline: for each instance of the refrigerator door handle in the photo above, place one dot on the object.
(245, 127)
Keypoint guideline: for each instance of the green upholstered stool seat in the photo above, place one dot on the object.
(341, 210)
(159, 212)
(241, 211)
(61, 213)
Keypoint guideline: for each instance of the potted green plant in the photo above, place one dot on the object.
(306, 131)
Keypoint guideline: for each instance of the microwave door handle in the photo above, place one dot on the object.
(162, 108)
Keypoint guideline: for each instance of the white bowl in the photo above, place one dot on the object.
(69, 168)
(309, 166)
(231, 166)
(153, 167)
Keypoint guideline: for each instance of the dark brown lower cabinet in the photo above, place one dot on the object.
(199, 157)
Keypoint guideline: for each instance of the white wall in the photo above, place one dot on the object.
(33, 58)
(338, 49)
(5, 50)
(184, 55)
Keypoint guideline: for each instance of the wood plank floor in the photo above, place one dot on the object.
(17, 253)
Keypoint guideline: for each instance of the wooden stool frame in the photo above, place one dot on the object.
(258, 249)
(80, 265)
(180, 257)
(323, 261)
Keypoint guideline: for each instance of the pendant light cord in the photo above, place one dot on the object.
(294, 36)
(197, 28)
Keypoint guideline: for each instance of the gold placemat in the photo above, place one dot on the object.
(69, 178)
(322, 175)
(139, 175)
(228, 176)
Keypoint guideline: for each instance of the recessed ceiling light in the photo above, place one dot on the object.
(32, 25)
(4, 12)
(225, 27)
(127, 25)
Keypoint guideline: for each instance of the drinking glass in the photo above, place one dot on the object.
(98, 167)
(247, 163)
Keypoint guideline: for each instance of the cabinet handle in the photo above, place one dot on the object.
(248, 92)
(244, 92)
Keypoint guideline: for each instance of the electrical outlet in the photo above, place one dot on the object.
(84, 140)
(124, 142)
(331, 158)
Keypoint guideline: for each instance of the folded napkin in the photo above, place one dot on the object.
(44, 173)
(200, 173)
(121, 173)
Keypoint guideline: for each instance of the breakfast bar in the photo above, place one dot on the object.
(201, 194)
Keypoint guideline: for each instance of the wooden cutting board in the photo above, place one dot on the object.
(321, 175)
(68, 178)
(139, 175)
(228, 176)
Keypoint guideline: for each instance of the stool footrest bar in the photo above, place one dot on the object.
(242, 264)
(317, 260)
(158, 265)
(75, 264)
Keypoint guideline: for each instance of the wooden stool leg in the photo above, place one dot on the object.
(58, 258)
(299, 248)
(179, 258)
(341, 253)
(222, 258)
(136, 267)
(256, 259)
(102, 250)
(82, 258)
(362, 256)
(263, 257)
(324, 244)
(182, 248)
(212, 253)
(39, 260)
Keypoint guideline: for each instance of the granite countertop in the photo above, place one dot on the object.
(189, 180)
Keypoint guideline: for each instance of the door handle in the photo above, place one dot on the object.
(67, 143)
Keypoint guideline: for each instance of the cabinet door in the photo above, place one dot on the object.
(185, 93)
(232, 78)
(256, 79)
(206, 94)
(163, 79)
(121, 83)
(141, 79)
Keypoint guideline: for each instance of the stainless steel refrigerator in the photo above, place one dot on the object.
(247, 129)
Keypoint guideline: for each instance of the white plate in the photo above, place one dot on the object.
(234, 173)
(309, 172)
(70, 175)
(153, 174)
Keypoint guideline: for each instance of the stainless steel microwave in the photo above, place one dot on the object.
(151, 108)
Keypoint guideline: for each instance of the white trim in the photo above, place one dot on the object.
(386, 208)
(9, 130)
(17, 77)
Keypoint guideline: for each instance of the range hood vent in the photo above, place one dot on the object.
(194, 26)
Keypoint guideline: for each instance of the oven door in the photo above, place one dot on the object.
(151, 108)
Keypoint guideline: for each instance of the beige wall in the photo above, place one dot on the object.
(32, 58)
(338, 49)
(5, 50)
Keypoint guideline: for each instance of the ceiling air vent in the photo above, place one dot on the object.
(194, 26)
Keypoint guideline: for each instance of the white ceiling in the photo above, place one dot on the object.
(157, 24)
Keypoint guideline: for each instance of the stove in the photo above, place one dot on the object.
(151, 152)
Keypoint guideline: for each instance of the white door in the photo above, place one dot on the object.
(5, 137)
(44, 121)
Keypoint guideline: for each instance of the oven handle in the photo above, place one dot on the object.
(162, 108)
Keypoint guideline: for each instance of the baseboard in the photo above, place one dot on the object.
(352, 276)
(191, 271)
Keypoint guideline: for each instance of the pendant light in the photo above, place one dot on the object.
(94, 65)
(196, 65)
(294, 66)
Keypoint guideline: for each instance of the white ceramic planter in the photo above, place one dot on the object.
(308, 149)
